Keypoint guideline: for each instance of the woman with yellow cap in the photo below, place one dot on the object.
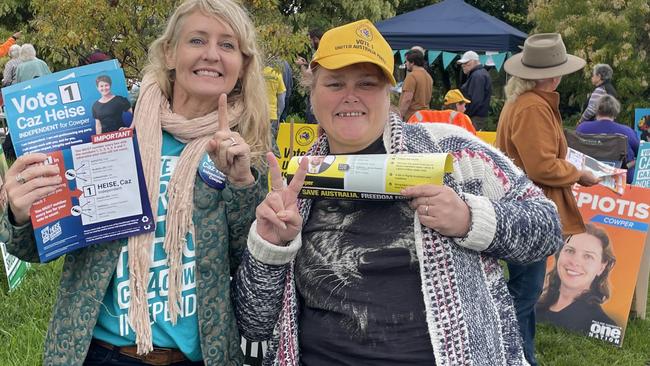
(336, 282)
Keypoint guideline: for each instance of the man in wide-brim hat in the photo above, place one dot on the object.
(530, 132)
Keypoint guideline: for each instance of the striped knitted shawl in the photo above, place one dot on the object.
(470, 316)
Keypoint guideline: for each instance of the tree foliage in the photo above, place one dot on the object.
(615, 32)
(13, 15)
(513, 12)
(68, 30)
(279, 37)
(331, 13)
(286, 35)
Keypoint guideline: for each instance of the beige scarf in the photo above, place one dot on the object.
(152, 116)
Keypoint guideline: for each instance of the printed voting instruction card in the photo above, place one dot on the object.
(103, 196)
(369, 177)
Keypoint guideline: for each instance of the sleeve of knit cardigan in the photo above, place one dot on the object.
(260, 284)
(240, 210)
(511, 219)
(20, 240)
(241, 204)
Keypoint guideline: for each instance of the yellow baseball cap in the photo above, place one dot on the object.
(354, 43)
(455, 96)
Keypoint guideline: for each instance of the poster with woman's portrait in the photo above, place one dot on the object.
(590, 282)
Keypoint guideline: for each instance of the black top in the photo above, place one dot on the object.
(578, 316)
(358, 278)
(109, 114)
(478, 89)
(609, 88)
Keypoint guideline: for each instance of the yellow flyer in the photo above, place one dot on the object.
(294, 140)
(369, 177)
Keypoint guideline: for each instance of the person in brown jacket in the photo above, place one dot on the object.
(530, 132)
(417, 87)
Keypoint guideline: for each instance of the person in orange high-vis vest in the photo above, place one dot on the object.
(4, 47)
(455, 104)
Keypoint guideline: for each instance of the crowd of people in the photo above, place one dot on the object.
(23, 64)
(412, 282)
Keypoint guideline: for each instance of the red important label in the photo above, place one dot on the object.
(116, 135)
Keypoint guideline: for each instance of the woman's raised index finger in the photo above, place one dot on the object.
(276, 173)
(223, 113)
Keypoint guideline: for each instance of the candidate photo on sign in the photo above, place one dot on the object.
(110, 111)
(577, 286)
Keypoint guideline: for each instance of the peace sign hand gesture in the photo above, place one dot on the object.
(228, 150)
(278, 219)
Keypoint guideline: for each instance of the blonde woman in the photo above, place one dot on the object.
(530, 133)
(165, 298)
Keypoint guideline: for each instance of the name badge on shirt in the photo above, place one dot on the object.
(210, 174)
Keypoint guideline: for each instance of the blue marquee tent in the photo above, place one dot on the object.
(451, 25)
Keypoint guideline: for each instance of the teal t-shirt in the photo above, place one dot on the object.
(112, 324)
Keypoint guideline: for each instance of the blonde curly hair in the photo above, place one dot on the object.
(253, 125)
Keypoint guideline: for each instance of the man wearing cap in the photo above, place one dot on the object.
(417, 88)
(477, 87)
(418, 48)
(530, 132)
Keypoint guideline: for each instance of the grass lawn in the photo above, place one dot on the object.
(26, 312)
(558, 347)
(25, 315)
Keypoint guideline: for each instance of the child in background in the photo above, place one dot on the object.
(453, 112)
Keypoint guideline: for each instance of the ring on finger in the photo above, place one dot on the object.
(20, 179)
(426, 210)
(233, 141)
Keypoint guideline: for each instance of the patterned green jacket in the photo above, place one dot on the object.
(221, 219)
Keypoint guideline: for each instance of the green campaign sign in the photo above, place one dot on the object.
(15, 269)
